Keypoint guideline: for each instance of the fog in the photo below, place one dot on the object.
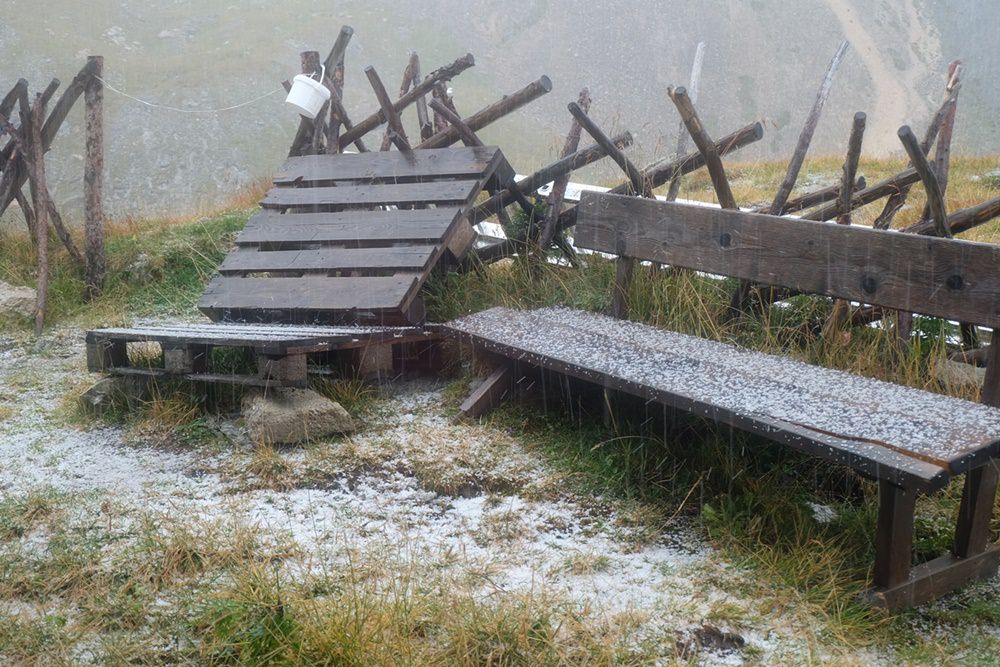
(764, 59)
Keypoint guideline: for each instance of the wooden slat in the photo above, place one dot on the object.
(310, 293)
(214, 378)
(389, 166)
(447, 192)
(354, 228)
(404, 258)
(940, 277)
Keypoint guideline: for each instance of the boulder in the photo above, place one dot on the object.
(130, 391)
(285, 415)
(17, 301)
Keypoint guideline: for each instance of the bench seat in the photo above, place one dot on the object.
(906, 436)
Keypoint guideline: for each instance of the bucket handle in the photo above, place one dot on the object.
(322, 75)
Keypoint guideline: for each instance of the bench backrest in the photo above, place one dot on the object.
(949, 278)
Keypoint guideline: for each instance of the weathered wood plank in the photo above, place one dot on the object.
(422, 165)
(820, 411)
(307, 293)
(940, 277)
(411, 258)
(447, 192)
(354, 228)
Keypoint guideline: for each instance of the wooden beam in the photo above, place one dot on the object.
(404, 86)
(93, 182)
(682, 135)
(493, 112)
(376, 119)
(396, 132)
(949, 278)
(547, 174)
(841, 308)
(553, 206)
(808, 129)
(934, 196)
(638, 182)
(705, 146)
(872, 193)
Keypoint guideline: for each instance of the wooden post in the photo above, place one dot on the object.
(469, 137)
(395, 131)
(426, 126)
(93, 181)
(404, 86)
(805, 137)
(441, 74)
(935, 198)
(705, 145)
(894, 534)
(13, 179)
(303, 141)
(640, 186)
(547, 174)
(554, 205)
(682, 135)
(335, 70)
(944, 112)
(493, 112)
(713, 162)
(41, 212)
(840, 306)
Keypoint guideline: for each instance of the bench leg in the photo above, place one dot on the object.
(494, 389)
(973, 557)
(894, 534)
(972, 532)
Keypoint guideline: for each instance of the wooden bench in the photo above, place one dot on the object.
(910, 441)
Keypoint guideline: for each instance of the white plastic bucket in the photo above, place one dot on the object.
(308, 95)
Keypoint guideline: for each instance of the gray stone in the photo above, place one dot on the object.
(18, 301)
(129, 391)
(285, 415)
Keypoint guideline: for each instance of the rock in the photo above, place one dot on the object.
(956, 375)
(18, 301)
(130, 391)
(287, 415)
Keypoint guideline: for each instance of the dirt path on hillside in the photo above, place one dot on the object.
(897, 100)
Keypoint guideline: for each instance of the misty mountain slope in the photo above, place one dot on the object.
(764, 59)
